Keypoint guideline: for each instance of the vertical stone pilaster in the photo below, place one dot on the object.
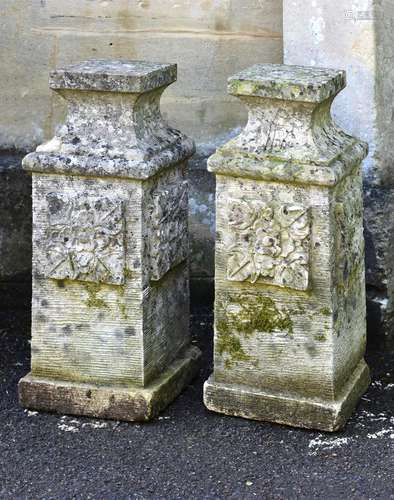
(110, 311)
(290, 289)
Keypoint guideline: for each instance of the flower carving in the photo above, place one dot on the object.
(169, 237)
(269, 243)
(85, 239)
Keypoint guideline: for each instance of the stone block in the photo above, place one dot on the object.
(290, 326)
(110, 310)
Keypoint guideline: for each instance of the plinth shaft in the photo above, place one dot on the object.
(290, 291)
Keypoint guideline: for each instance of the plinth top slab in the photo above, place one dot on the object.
(290, 83)
(113, 76)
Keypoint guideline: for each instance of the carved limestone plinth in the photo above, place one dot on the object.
(110, 311)
(290, 325)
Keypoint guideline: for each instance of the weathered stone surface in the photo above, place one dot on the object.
(110, 313)
(269, 243)
(168, 213)
(290, 325)
(83, 239)
(281, 82)
(114, 76)
(102, 401)
(249, 402)
(358, 35)
(122, 134)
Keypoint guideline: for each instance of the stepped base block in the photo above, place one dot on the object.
(112, 402)
(247, 402)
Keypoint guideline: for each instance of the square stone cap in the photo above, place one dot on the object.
(290, 83)
(113, 76)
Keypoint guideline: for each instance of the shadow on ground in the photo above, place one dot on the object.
(189, 452)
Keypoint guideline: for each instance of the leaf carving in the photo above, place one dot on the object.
(269, 243)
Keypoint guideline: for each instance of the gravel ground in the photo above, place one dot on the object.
(189, 452)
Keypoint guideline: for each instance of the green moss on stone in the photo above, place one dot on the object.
(326, 311)
(228, 342)
(128, 273)
(123, 310)
(243, 87)
(93, 301)
(299, 312)
(263, 316)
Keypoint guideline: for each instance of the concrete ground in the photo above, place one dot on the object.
(189, 452)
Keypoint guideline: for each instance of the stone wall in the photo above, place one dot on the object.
(15, 233)
(209, 39)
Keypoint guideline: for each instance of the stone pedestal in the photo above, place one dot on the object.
(110, 312)
(290, 324)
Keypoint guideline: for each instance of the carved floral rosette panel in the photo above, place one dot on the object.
(269, 243)
(169, 235)
(349, 240)
(84, 239)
